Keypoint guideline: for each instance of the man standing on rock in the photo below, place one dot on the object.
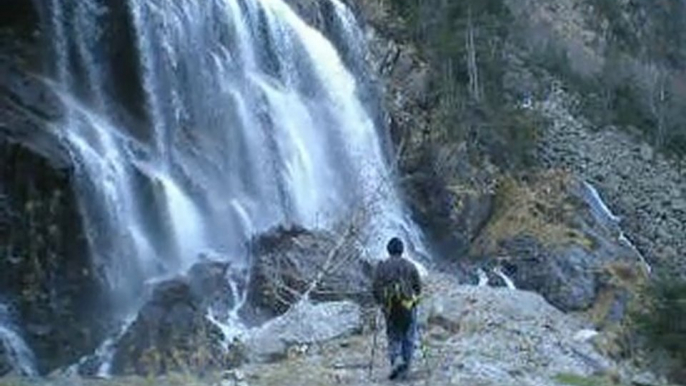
(396, 288)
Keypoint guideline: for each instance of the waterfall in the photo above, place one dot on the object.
(193, 125)
(16, 351)
(607, 218)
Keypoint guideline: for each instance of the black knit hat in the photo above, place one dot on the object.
(395, 247)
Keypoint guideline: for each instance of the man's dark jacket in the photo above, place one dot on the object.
(396, 279)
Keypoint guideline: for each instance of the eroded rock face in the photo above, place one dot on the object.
(172, 331)
(45, 268)
(287, 260)
(553, 236)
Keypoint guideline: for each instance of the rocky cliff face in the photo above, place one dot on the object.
(642, 185)
(46, 274)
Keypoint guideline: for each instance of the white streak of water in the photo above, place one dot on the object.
(483, 278)
(585, 335)
(598, 205)
(508, 282)
(17, 352)
(623, 239)
(107, 349)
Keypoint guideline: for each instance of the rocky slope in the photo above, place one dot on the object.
(470, 335)
(473, 335)
(646, 189)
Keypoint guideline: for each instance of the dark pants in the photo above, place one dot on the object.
(402, 336)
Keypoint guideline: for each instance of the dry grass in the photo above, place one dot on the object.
(624, 277)
(542, 208)
(629, 276)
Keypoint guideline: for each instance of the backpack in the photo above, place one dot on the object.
(399, 293)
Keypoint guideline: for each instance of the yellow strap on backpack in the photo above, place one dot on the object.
(408, 303)
(411, 302)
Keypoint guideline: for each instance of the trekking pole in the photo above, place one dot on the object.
(376, 330)
(424, 349)
(425, 356)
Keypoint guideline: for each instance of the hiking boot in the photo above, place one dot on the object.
(399, 371)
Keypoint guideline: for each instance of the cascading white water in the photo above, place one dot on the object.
(597, 205)
(16, 351)
(607, 218)
(506, 279)
(235, 116)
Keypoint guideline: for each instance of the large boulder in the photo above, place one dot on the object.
(562, 275)
(506, 337)
(303, 324)
(172, 331)
(285, 261)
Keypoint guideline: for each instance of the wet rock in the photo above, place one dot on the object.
(452, 217)
(303, 324)
(563, 276)
(45, 269)
(5, 366)
(172, 333)
(309, 10)
(287, 260)
(450, 198)
(209, 283)
(123, 70)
